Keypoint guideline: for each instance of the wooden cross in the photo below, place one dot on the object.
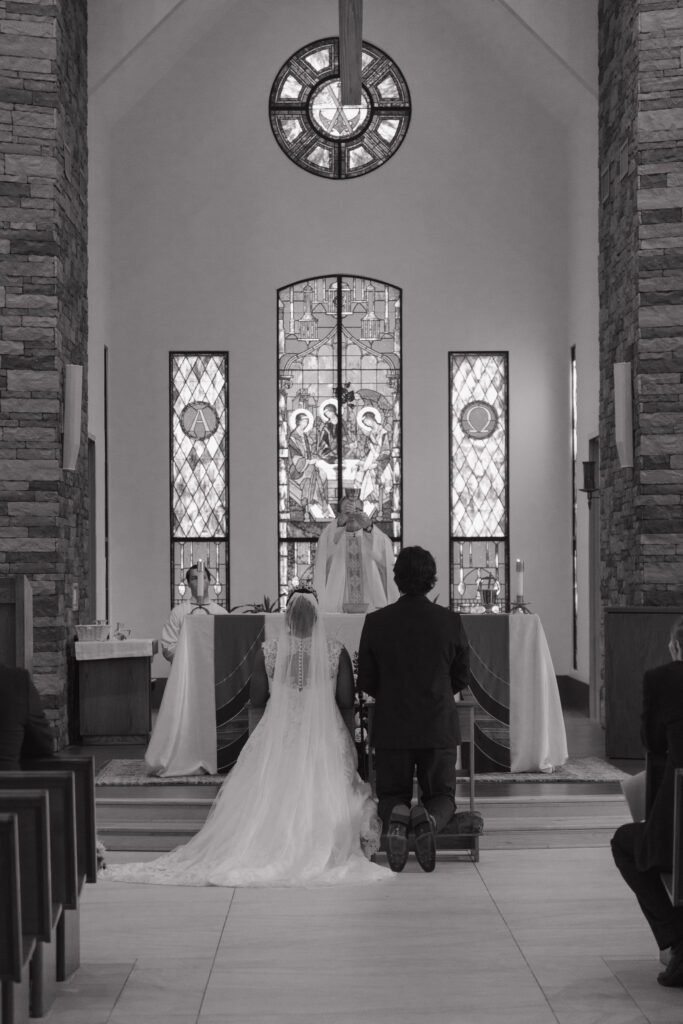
(350, 49)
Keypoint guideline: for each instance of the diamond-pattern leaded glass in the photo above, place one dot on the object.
(339, 410)
(479, 559)
(323, 135)
(199, 456)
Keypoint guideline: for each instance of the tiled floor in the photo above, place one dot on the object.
(528, 936)
(539, 936)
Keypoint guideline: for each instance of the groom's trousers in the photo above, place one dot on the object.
(394, 774)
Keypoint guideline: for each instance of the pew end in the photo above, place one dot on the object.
(16, 948)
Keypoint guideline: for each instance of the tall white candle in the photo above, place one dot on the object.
(201, 580)
(519, 570)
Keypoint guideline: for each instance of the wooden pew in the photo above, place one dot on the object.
(673, 880)
(60, 786)
(30, 809)
(15, 953)
(68, 928)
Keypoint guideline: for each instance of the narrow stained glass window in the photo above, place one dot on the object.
(199, 469)
(339, 411)
(479, 535)
(323, 135)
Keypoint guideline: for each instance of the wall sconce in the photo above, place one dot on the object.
(589, 484)
(623, 414)
(73, 398)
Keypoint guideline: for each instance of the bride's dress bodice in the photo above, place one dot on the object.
(293, 807)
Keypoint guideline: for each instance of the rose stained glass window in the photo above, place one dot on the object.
(339, 411)
(199, 469)
(479, 541)
(323, 135)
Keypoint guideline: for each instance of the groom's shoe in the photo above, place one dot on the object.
(672, 976)
(424, 831)
(397, 837)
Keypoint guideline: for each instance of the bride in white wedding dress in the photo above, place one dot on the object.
(293, 809)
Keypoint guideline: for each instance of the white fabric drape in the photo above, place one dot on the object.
(537, 735)
(183, 741)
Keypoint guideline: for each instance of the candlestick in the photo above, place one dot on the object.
(519, 571)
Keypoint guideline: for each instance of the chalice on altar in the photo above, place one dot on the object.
(489, 588)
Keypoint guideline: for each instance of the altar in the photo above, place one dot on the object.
(202, 721)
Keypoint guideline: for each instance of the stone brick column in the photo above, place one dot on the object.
(43, 321)
(641, 297)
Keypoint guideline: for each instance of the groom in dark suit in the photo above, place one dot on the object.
(413, 657)
(24, 728)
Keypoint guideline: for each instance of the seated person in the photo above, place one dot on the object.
(354, 562)
(24, 729)
(170, 634)
(642, 850)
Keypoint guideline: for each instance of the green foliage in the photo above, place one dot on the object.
(265, 607)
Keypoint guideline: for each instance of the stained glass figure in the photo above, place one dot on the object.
(199, 469)
(339, 410)
(479, 545)
(323, 135)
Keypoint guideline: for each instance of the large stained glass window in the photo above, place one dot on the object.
(339, 411)
(479, 540)
(199, 469)
(326, 137)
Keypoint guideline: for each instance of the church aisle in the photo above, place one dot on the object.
(546, 936)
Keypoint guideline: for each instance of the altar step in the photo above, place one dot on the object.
(161, 817)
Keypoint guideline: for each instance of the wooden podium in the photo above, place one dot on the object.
(114, 690)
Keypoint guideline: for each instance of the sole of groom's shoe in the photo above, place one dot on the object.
(424, 835)
(397, 838)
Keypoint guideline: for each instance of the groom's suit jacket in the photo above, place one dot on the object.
(413, 657)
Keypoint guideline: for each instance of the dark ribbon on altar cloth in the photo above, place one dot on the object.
(237, 640)
(489, 640)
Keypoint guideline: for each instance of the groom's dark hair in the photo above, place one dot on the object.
(414, 571)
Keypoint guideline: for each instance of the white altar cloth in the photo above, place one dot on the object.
(538, 741)
(183, 740)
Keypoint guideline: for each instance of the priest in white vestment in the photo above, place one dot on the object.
(354, 563)
(199, 602)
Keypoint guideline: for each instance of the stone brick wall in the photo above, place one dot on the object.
(43, 321)
(641, 296)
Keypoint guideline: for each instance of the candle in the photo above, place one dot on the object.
(470, 554)
(496, 558)
(181, 557)
(487, 554)
(200, 580)
(519, 570)
(461, 561)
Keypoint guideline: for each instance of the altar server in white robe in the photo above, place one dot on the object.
(354, 562)
(199, 602)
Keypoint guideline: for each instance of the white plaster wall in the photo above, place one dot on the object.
(475, 218)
